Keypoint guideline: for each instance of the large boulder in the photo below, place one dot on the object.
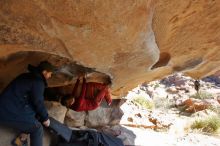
(56, 110)
(102, 116)
(128, 41)
(105, 115)
(75, 119)
(114, 38)
(188, 31)
(192, 105)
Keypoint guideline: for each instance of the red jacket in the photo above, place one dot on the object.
(91, 96)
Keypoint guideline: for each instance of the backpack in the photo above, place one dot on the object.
(90, 138)
(69, 137)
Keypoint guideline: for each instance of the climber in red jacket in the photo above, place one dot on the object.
(90, 97)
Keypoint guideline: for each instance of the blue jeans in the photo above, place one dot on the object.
(34, 129)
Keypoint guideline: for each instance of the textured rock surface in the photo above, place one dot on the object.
(75, 119)
(7, 134)
(105, 115)
(188, 31)
(102, 116)
(56, 110)
(130, 41)
(113, 37)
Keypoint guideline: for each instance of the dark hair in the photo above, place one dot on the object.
(65, 98)
(45, 65)
(108, 81)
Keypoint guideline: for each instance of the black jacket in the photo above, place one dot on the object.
(23, 98)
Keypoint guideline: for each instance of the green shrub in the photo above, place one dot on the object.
(202, 95)
(209, 125)
(156, 85)
(215, 109)
(143, 102)
(163, 103)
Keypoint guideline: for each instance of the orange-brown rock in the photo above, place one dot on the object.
(197, 107)
(192, 105)
(188, 31)
(130, 41)
(189, 102)
(218, 99)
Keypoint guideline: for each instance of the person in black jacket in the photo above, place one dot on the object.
(197, 85)
(22, 100)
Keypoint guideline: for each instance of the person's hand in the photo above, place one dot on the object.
(70, 102)
(46, 123)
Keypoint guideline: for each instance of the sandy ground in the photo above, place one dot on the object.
(180, 133)
(146, 137)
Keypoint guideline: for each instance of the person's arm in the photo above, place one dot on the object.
(83, 92)
(102, 93)
(79, 101)
(108, 97)
(37, 100)
(75, 87)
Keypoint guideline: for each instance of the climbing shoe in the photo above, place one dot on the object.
(18, 142)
